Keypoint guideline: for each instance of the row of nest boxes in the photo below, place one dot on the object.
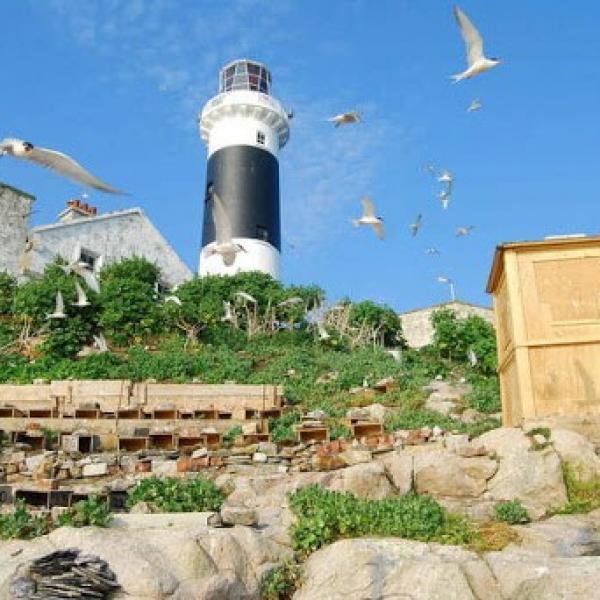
(50, 498)
(142, 440)
(110, 395)
(139, 413)
(316, 431)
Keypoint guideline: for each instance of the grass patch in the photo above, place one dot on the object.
(511, 512)
(416, 419)
(493, 537)
(168, 494)
(583, 496)
(324, 516)
(281, 582)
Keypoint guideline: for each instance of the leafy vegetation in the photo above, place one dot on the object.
(92, 511)
(583, 494)
(23, 525)
(416, 419)
(282, 428)
(324, 516)
(168, 494)
(281, 582)
(511, 512)
(231, 434)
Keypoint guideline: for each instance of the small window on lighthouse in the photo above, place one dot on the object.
(260, 137)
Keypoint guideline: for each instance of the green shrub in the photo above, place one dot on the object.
(485, 396)
(92, 511)
(324, 516)
(583, 493)
(339, 430)
(282, 428)
(50, 437)
(281, 582)
(230, 436)
(511, 512)
(169, 494)
(21, 524)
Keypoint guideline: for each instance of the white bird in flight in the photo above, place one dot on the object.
(100, 343)
(224, 244)
(476, 60)
(475, 105)
(462, 231)
(246, 297)
(431, 251)
(446, 177)
(57, 161)
(228, 317)
(444, 198)
(83, 270)
(174, 299)
(414, 227)
(369, 218)
(82, 300)
(59, 309)
(346, 118)
(291, 301)
(472, 357)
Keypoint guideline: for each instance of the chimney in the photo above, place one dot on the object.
(76, 209)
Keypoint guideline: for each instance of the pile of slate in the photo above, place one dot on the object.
(66, 574)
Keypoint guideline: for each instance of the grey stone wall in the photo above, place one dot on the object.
(15, 207)
(417, 327)
(111, 236)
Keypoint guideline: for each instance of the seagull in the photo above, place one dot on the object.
(100, 343)
(59, 310)
(323, 333)
(475, 105)
(446, 177)
(83, 270)
(174, 299)
(228, 317)
(444, 198)
(431, 251)
(462, 231)
(346, 118)
(82, 300)
(472, 357)
(246, 297)
(224, 244)
(369, 218)
(476, 60)
(414, 227)
(57, 161)
(291, 301)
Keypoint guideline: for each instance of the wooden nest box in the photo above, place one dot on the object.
(547, 305)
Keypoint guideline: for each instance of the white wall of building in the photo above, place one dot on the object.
(111, 236)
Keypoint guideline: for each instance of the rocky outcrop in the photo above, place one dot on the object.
(185, 561)
(577, 451)
(391, 568)
(532, 476)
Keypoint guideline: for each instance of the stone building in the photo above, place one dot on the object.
(82, 235)
(417, 327)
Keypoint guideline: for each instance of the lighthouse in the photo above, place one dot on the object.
(243, 128)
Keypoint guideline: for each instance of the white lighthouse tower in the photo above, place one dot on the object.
(243, 127)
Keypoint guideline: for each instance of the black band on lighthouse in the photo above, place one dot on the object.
(246, 179)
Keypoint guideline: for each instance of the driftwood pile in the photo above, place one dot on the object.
(66, 574)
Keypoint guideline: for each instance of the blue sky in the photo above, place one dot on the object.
(118, 84)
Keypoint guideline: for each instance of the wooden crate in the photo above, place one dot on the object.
(547, 306)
